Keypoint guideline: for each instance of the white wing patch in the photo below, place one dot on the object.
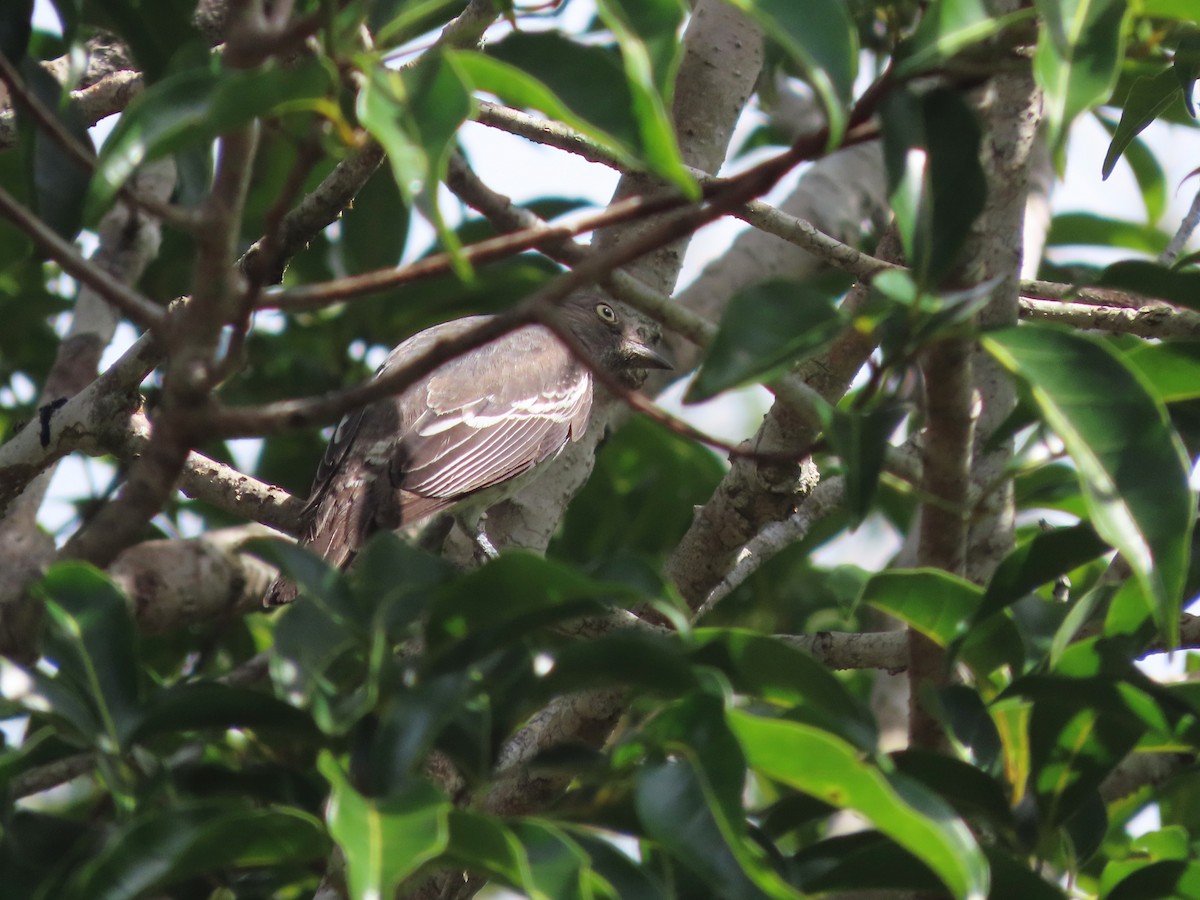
(465, 450)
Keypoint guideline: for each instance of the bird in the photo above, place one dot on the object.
(470, 433)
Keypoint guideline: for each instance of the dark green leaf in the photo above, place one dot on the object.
(764, 329)
(165, 847)
(1187, 65)
(1043, 558)
(510, 597)
(819, 37)
(765, 667)
(677, 809)
(60, 181)
(1087, 229)
(1131, 463)
(90, 638)
(861, 439)
(647, 31)
(581, 86)
(937, 187)
(16, 26)
(865, 861)
(375, 227)
(155, 30)
(384, 841)
(1148, 99)
(946, 29)
(192, 108)
(1080, 46)
(1153, 280)
(202, 705)
(826, 767)
(1146, 168)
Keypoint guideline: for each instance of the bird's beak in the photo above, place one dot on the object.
(643, 356)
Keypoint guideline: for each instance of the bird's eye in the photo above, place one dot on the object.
(607, 313)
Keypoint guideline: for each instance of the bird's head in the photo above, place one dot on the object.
(615, 338)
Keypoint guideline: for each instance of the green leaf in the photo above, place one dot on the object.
(15, 28)
(647, 31)
(1166, 878)
(192, 108)
(762, 666)
(509, 597)
(677, 808)
(861, 439)
(819, 764)
(90, 639)
(203, 705)
(765, 328)
(1087, 229)
(1131, 463)
(1043, 558)
(1187, 65)
(936, 603)
(60, 181)
(558, 867)
(385, 841)
(862, 862)
(1172, 369)
(155, 30)
(415, 114)
(578, 85)
(375, 227)
(820, 38)
(1153, 280)
(946, 29)
(167, 846)
(1080, 47)
(936, 184)
(1147, 170)
(1149, 98)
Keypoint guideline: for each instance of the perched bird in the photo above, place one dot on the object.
(467, 435)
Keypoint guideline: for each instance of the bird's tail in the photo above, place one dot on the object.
(339, 520)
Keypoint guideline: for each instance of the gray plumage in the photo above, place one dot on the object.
(469, 433)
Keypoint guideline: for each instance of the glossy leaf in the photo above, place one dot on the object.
(935, 182)
(192, 108)
(936, 603)
(1172, 369)
(579, 85)
(861, 439)
(1153, 280)
(946, 29)
(1069, 229)
(15, 28)
(385, 841)
(819, 37)
(764, 329)
(415, 114)
(1131, 464)
(1148, 99)
(677, 809)
(164, 847)
(766, 667)
(647, 31)
(1080, 46)
(60, 181)
(822, 765)
(91, 642)
(1038, 561)
(1147, 170)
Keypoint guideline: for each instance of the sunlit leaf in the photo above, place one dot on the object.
(765, 328)
(1080, 45)
(1131, 463)
(826, 767)
(193, 107)
(384, 841)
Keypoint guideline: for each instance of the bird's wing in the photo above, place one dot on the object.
(492, 415)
